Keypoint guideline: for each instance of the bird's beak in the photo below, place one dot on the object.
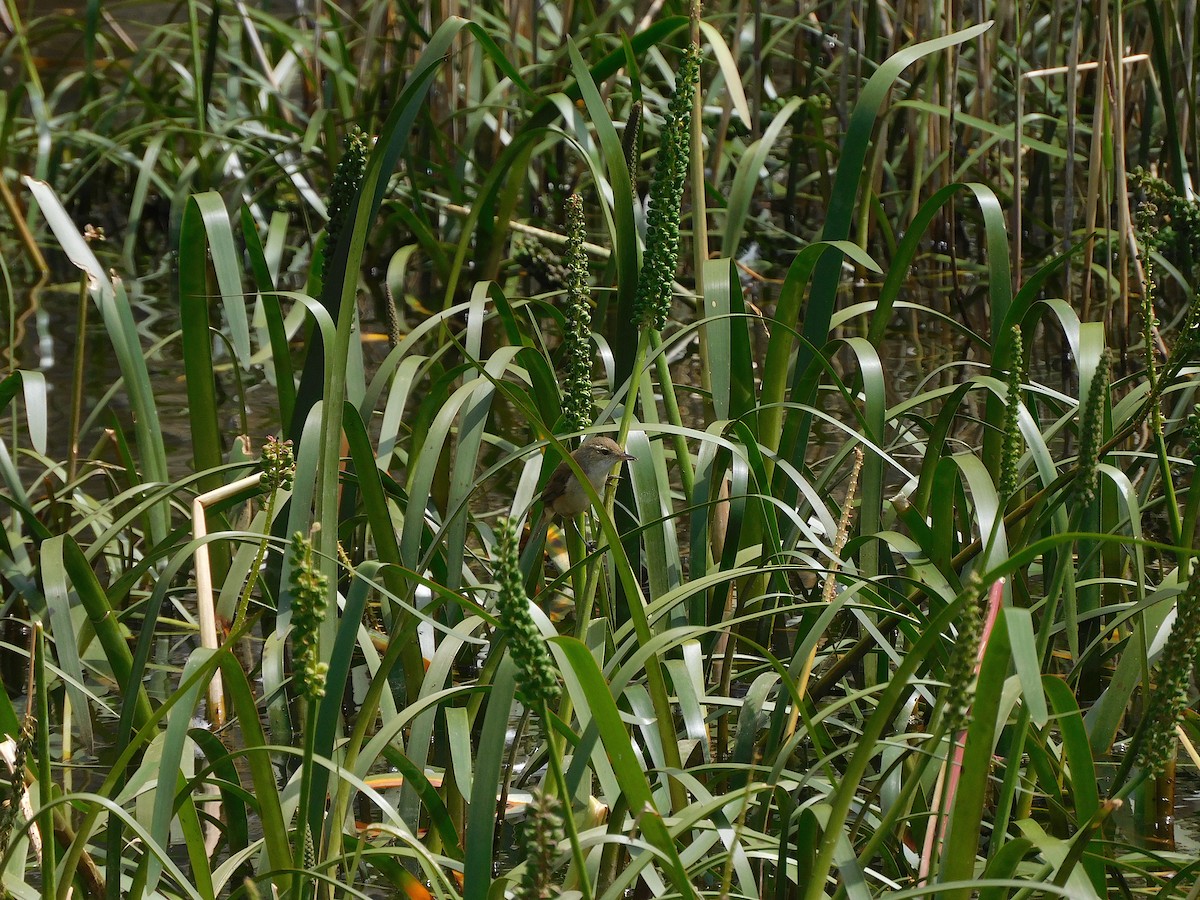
(628, 457)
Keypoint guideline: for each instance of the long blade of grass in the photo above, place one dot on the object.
(206, 227)
(33, 387)
(962, 841)
(1081, 766)
(783, 335)
(62, 629)
(634, 786)
(118, 320)
(281, 357)
(383, 533)
(170, 776)
(481, 817)
(328, 725)
(102, 618)
(727, 326)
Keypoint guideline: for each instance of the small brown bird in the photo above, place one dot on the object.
(564, 494)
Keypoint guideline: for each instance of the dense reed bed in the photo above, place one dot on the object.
(895, 311)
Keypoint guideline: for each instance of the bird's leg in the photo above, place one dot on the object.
(589, 546)
(573, 528)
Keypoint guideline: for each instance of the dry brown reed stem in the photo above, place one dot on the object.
(18, 221)
(1069, 190)
(1018, 126)
(1096, 157)
(1188, 746)
(551, 237)
(1124, 219)
(206, 603)
(1081, 67)
(699, 207)
(953, 16)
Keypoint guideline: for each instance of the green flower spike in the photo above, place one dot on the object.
(279, 465)
(960, 668)
(12, 783)
(631, 141)
(1091, 429)
(1192, 432)
(541, 834)
(310, 599)
(535, 670)
(346, 181)
(539, 262)
(1149, 328)
(1172, 677)
(1014, 444)
(577, 340)
(666, 194)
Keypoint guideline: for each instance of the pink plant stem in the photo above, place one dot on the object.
(935, 831)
